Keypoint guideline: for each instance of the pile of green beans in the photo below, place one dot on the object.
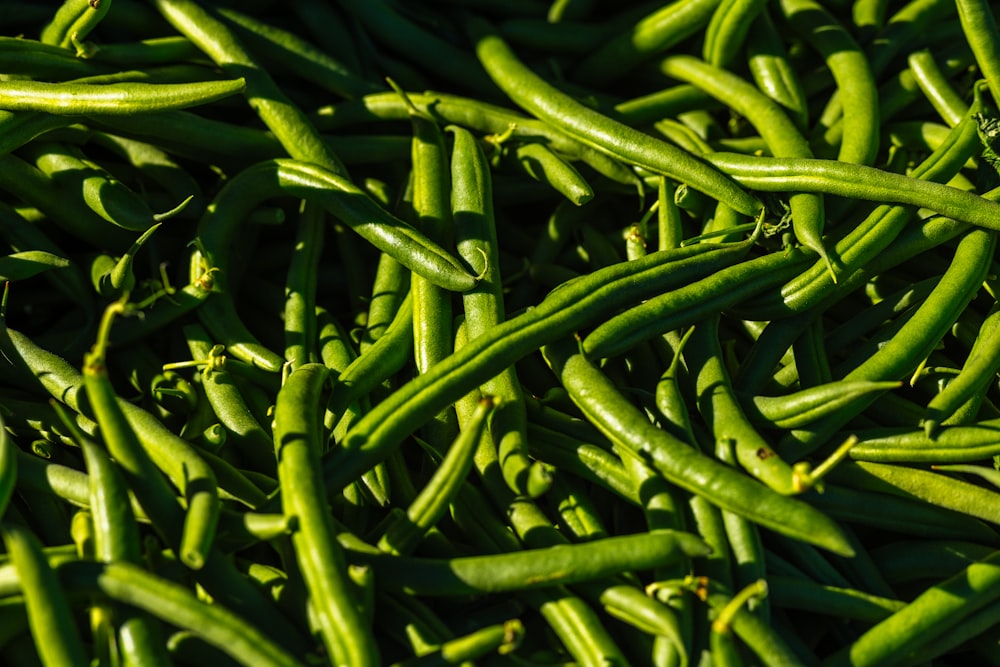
(523, 333)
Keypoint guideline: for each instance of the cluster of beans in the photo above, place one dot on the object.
(522, 333)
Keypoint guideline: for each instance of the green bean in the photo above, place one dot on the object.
(654, 33)
(744, 541)
(727, 29)
(930, 615)
(481, 117)
(760, 638)
(297, 55)
(879, 228)
(909, 24)
(964, 444)
(8, 467)
(850, 69)
(983, 37)
(798, 409)
(112, 99)
(979, 369)
(49, 615)
(73, 22)
(564, 311)
(321, 560)
(622, 423)
(300, 288)
(432, 502)
(806, 595)
(596, 130)
(502, 639)
(33, 59)
(106, 196)
(545, 166)
(532, 568)
(707, 520)
(121, 431)
(832, 177)
(112, 276)
(777, 130)
(252, 442)
(348, 203)
(389, 288)
(913, 560)
(152, 51)
(116, 539)
(174, 603)
(721, 411)
(70, 212)
(935, 87)
(423, 47)
(386, 356)
(771, 70)
(691, 303)
(296, 134)
(431, 183)
(583, 459)
(472, 210)
(196, 137)
(915, 340)
(912, 482)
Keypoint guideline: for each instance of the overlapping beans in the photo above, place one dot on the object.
(522, 333)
